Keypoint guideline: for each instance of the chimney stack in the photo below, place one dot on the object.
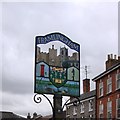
(34, 115)
(108, 57)
(112, 61)
(86, 85)
(28, 117)
(111, 56)
(119, 58)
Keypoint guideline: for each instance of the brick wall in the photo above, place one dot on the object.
(111, 96)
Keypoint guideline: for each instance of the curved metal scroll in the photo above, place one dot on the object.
(65, 103)
(73, 103)
(38, 99)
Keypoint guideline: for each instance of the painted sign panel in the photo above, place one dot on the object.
(57, 70)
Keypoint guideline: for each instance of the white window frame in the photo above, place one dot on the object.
(101, 108)
(74, 110)
(82, 117)
(91, 116)
(82, 107)
(117, 108)
(90, 105)
(109, 109)
(117, 81)
(100, 89)
(109, 85)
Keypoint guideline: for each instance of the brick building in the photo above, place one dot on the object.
(108, 90)
(85, 106)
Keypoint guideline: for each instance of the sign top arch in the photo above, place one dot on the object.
(57, 37)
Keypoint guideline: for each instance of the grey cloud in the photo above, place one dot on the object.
(17, 75)
(17, 86)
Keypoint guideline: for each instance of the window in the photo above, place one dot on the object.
(109, 85)
(82, 117)
(77, 64)
(118, 108)
(75, 110)
(72, 64)
(90, 116)
(82, 108)
(101, 111)
(62, 52)
(118, 81)
(66, 53)
(109, 109)
(67, 111)
(101, 89)
(90, 105)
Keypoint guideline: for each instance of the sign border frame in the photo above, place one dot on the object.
(36, 62)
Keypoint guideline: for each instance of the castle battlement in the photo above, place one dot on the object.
(52, 58)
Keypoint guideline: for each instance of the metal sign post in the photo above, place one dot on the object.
(57, 101)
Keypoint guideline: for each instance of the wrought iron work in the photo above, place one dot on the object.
(74, 103)
(38, 99)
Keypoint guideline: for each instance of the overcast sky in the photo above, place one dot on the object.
(94, 25)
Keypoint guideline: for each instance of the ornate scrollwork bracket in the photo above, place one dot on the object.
(37, 98)
(74, 103)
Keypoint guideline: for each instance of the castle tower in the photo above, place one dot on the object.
(52, 56)
(63, 55)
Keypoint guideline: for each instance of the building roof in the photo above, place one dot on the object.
(38, 117)
(106, 72)
(10, 115)
(48, 116)
(88, 95)
(84, 96)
